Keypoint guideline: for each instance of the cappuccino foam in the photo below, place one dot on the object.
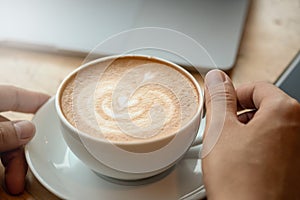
(129, 99)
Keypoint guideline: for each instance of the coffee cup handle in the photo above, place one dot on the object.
(199, 138)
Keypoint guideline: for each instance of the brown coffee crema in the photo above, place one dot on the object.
(129, 99)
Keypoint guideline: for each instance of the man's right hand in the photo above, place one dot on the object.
(256, 154)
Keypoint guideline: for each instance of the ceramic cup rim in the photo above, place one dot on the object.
(127, 143)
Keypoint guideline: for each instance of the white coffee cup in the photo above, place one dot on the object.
(113, 161)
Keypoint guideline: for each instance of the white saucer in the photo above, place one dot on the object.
(60, 171)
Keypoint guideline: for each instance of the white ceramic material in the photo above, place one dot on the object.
(62, 173)
(107, 159)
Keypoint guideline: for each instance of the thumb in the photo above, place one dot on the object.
(221, 105)
(15, 134)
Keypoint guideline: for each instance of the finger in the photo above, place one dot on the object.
(21, 100)
(15, 170)
(251, 96)
(15, 134)
(221, 105)
(220, 97)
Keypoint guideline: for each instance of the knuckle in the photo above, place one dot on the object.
(262, 85)
(288, 109)
(294, 106)
(221, 92)
(7, 134)
(15, 106)
(221, 100)
(291, 116)
(290, 105)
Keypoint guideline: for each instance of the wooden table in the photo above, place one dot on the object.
(271, 39)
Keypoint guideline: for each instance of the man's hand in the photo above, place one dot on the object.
(255, 155)
(15, 134)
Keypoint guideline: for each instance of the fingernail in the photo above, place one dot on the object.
(24, 129)
(214, 77)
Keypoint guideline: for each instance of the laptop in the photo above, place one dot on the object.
(205, 34)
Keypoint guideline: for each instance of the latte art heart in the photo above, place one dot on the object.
(130, 99)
